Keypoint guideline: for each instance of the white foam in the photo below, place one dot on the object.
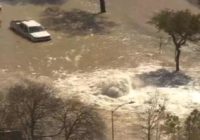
(87, 87)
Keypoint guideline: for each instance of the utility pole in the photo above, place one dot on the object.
(112, 116)
(0, 13)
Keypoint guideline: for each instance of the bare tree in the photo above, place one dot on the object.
(6, 117)
(32, 101)
(151, 117)
(172, 127)
(192, 125)
(80, 122)
(3, 113)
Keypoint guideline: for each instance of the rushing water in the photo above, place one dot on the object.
(111, 87)
(104, 60)
(97, 62)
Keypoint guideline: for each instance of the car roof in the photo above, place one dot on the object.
(31, 23)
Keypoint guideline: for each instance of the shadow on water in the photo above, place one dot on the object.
(75, 22)
(36, 2)
(195, 2)
(164, 78)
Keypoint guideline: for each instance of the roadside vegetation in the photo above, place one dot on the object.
(32, 108)
(157, 123)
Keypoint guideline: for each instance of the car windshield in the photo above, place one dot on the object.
(35, 29)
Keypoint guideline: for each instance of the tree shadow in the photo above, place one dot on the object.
(164, 78)
(195, 2)
(75, 22)
(36, 2)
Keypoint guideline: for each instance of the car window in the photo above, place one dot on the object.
(21, 26)
(24, 28)
(35, 29)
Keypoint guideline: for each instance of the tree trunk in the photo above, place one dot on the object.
(177, 57)
(149, 129)
(66, 134)
(32, 128)
(102, 6)
(149, 134)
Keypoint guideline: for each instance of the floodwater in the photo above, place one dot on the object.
(82, 39)
(67, 51)
(96, 52)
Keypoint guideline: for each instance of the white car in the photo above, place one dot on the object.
(30, 29)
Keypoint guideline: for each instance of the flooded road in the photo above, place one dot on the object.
(85, 42)
(98, 53)
(82, 40)
(67, 51)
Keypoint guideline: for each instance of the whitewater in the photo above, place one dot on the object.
(106, 89)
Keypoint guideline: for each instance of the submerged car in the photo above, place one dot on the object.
(30, 29)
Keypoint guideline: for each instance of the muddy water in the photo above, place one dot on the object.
(121, 47)
(112, 56)
(18, 54)
(64, 52)
(136, 13)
